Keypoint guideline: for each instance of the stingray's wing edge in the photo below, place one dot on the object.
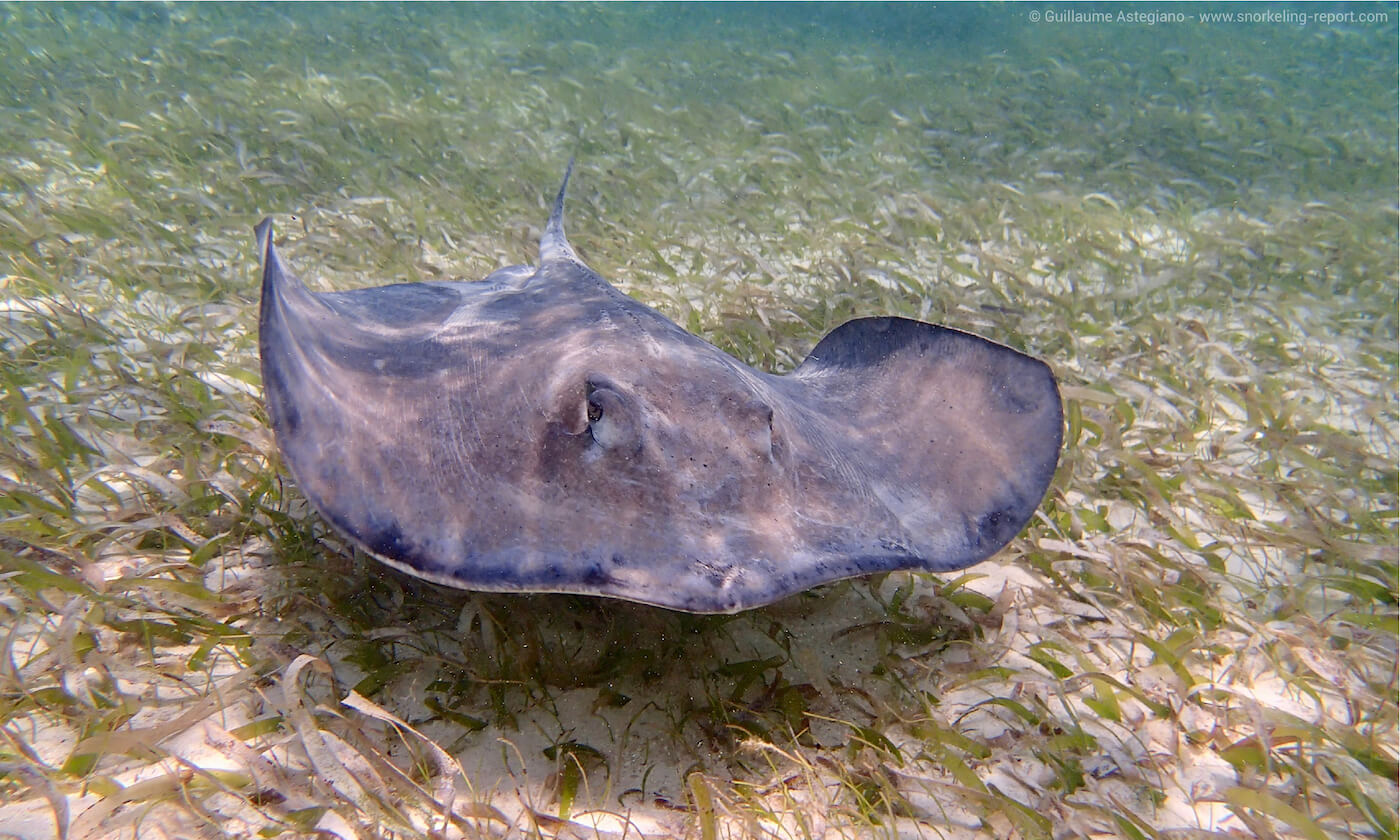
(967, 431)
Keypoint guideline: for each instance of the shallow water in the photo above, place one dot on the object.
(1193, 221)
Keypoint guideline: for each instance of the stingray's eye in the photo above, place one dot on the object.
(612, 418)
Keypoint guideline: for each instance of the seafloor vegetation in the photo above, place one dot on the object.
(1196, 226)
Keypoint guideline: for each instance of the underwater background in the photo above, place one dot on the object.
(1188, 210)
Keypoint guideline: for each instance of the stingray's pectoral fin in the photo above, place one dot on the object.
(293, 323)
(286, 303)
(961, 435)
(329, 359)
(351, 380)
(277, 282)
(263, 232)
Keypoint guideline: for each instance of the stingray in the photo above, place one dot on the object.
(540, 431)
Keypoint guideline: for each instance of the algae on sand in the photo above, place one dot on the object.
(1194, 224)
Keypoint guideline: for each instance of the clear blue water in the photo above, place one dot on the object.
(1298, 98)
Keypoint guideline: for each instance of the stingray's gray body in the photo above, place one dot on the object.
(540, 431)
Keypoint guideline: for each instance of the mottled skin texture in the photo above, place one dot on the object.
(540, 431)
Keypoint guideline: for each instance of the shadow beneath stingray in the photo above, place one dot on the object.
(524, 690)
(788, 673)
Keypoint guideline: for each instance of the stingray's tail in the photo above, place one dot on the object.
(554, 246)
